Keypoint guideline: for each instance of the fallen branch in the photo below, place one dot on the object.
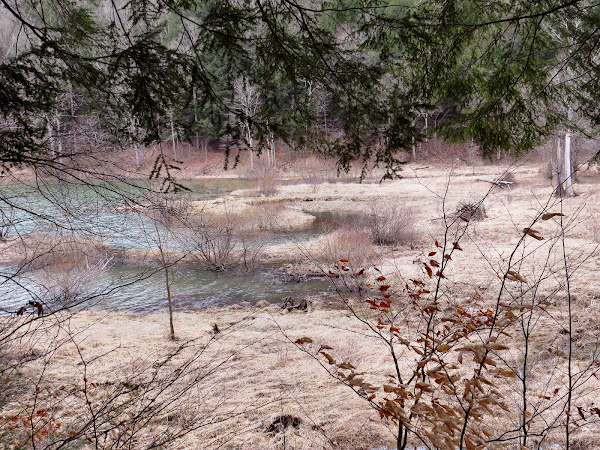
(501, 183)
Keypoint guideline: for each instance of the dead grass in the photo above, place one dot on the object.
(594, 227)
(266, 377)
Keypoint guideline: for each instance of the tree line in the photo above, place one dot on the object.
(351, 79)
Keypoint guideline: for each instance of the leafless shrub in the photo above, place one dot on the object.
(265, 177)
(264, 216)
(391, 225)
(594, 227)
(7, 222)
(168, 208)
(350, 243)
(220, 242)
(212, 241)
(267, 183)
(59, 253)
(470, 210)
(315, 170)
(63, 287)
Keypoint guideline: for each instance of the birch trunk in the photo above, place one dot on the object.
(568, 171)
(250, 145)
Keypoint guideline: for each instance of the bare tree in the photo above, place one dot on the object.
(246, 104)
(464, 360)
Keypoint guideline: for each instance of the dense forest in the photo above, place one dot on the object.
(354, 80)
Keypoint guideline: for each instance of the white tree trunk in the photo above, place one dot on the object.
(250, 145)
(136, 148)
(272, 149)
(568, 173)
(472, 155)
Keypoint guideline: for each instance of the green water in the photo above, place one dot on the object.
(103, 213)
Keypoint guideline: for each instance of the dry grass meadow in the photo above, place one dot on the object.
(235, 382)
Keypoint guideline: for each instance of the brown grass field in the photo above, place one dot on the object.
(233, 384)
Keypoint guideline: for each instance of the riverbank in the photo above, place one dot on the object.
(235, 378)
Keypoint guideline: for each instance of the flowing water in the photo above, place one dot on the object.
(99, 213)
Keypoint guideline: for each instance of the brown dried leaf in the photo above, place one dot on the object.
(346, 365)
(549, 216)
(328, 357)
(428, 269)
(423, 386)
(533, 233)
(515, 276)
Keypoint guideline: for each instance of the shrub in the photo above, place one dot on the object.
(168, 208)
(222, 241)
(470, 211)
(391, 225)
(267, 185)
(594, 227)
(489, 367)
(265, 177)
(351, 243)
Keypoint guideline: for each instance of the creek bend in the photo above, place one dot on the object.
(125, 284)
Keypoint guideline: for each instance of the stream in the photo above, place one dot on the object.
(95, 213)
